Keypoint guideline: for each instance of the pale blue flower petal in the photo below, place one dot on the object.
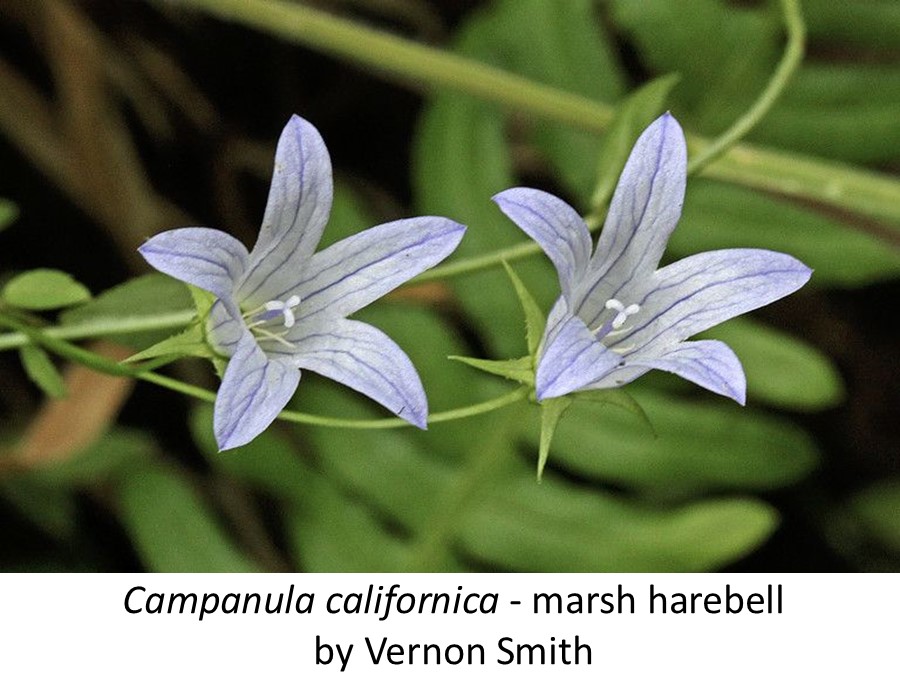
(701, 291)
(555, 226)
(298, 207)
(253, 391)
(644, 210)
(708, 363)
(358, 270)
(365, 359)
(224, 329)
(205, 258)
(571, 357)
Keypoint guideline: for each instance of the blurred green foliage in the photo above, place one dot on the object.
(691, 494)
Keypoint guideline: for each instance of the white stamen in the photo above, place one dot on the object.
(622, 312)
(286, 308)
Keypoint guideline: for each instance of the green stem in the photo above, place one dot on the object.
(104, 327)
(111, 367)
(790, 60)
(773, 171)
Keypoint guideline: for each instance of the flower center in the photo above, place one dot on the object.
(614, 326)
(269, 312)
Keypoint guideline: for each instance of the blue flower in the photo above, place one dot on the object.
(618, 315)
(282, 307)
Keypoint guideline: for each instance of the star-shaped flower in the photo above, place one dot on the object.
(618, 315)
(282, 307)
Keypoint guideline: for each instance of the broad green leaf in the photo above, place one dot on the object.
(551, 413)
(698, 447)
(632, 116)
(520, 370)
(781, 369)
(717, 216)
(172, 528)
(44, 289)
(138, 313)
(41, 371)
(534, 317)
(877, 508)
(8, 213)
(554, 526)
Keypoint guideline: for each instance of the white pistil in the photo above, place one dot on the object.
(286, 308)
(623, 312)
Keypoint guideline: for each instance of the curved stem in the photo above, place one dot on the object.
(111, 367)
(774, 171)
(793, 55)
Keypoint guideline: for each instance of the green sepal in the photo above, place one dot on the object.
(41, 371)
(534, 317)
(551, 412)
(203, 301)
(190, 342)
(632, 116)
(618, 398)
(44, 289)
(520, 370)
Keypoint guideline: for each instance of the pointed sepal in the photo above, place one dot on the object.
(520, 370)
(552, 411)
(190, 342)
(534, 317)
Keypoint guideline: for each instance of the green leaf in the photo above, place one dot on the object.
(520, 370)
(44, 289)
(172, 528)
(8, 213)
(535, 320)
(877, 508)
(632, 116)
(551, 412)
(188, 343)
(698, 446)
(555, 526)
(41, 371)
(781, 369)
(718, 216)
(138, 313)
